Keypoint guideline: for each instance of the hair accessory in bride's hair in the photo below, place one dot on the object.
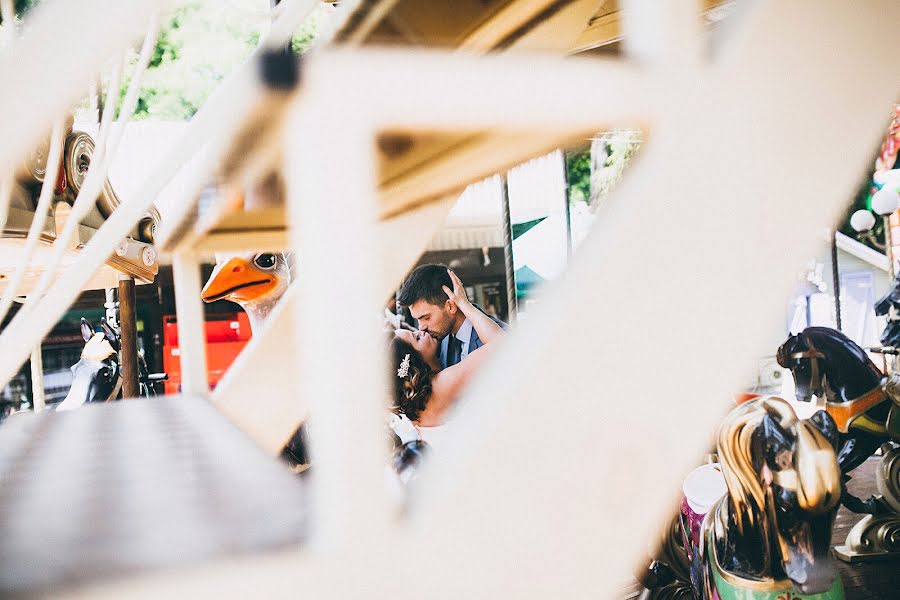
(403, 371)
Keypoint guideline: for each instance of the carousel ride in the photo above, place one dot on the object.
(864, 401)
(865, 405)
(431, 139)
(719, 545)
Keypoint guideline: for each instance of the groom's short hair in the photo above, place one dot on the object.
(424, 283)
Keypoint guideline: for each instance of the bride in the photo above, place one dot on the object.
(423, 392)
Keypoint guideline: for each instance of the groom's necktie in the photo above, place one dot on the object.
(454, 350)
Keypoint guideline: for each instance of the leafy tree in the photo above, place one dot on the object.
(578, 175)
(610, 154)
(200, 42)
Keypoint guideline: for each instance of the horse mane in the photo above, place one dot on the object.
(735, 445)
(813, 338)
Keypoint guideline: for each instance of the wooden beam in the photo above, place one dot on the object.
(600, 32)
(495, 30)
(607, 28)
(471, 161)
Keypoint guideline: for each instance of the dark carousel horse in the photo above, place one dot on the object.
(97, 375)
(769, 536)
(889, 306)
(826, 363)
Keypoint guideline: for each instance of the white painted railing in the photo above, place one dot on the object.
(567, 444)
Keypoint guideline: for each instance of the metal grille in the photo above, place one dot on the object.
(113, 489)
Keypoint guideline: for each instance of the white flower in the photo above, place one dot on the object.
(403, 371)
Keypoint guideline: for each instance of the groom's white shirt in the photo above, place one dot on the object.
(464, 335)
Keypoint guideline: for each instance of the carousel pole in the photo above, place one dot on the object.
(511, 299)
(836, 280)
(128, 332)
(889, 246)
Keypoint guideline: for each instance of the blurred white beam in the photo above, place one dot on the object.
(191, 330)
(432, 89)
(662, 34)
(37, 380)
(333, 219)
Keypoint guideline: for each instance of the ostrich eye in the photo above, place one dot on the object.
(265, 261)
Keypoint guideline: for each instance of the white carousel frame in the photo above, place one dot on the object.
(570, 439)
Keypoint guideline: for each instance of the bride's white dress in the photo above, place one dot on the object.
(435, 436)
(407, 431)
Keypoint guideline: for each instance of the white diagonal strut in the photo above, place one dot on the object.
(339, 374)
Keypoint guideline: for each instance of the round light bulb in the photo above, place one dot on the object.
(885, 201)
(862, 220)
(888, 178)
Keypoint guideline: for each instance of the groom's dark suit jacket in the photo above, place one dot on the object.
(474, 340)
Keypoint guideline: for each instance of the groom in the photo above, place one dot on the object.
(438, 315)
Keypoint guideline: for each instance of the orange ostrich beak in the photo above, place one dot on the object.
(238, 280)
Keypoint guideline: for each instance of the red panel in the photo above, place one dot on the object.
(219, 328)
(225, 338)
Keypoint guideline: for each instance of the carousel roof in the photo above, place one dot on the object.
(419, 167)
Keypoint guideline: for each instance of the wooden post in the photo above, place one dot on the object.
(128, 332)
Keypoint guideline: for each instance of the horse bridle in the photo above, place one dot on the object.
(117, 386)
(816, 387)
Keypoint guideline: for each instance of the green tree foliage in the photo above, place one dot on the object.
(611, 153)
(578, 175)
(200, 42)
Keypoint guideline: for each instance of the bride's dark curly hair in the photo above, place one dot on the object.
(411, 392)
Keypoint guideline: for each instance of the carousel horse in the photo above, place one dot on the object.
(826, 363)
(889, 306)
(769, 535)
(97, 376)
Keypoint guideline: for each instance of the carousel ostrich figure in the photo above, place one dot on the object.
(254, 281)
